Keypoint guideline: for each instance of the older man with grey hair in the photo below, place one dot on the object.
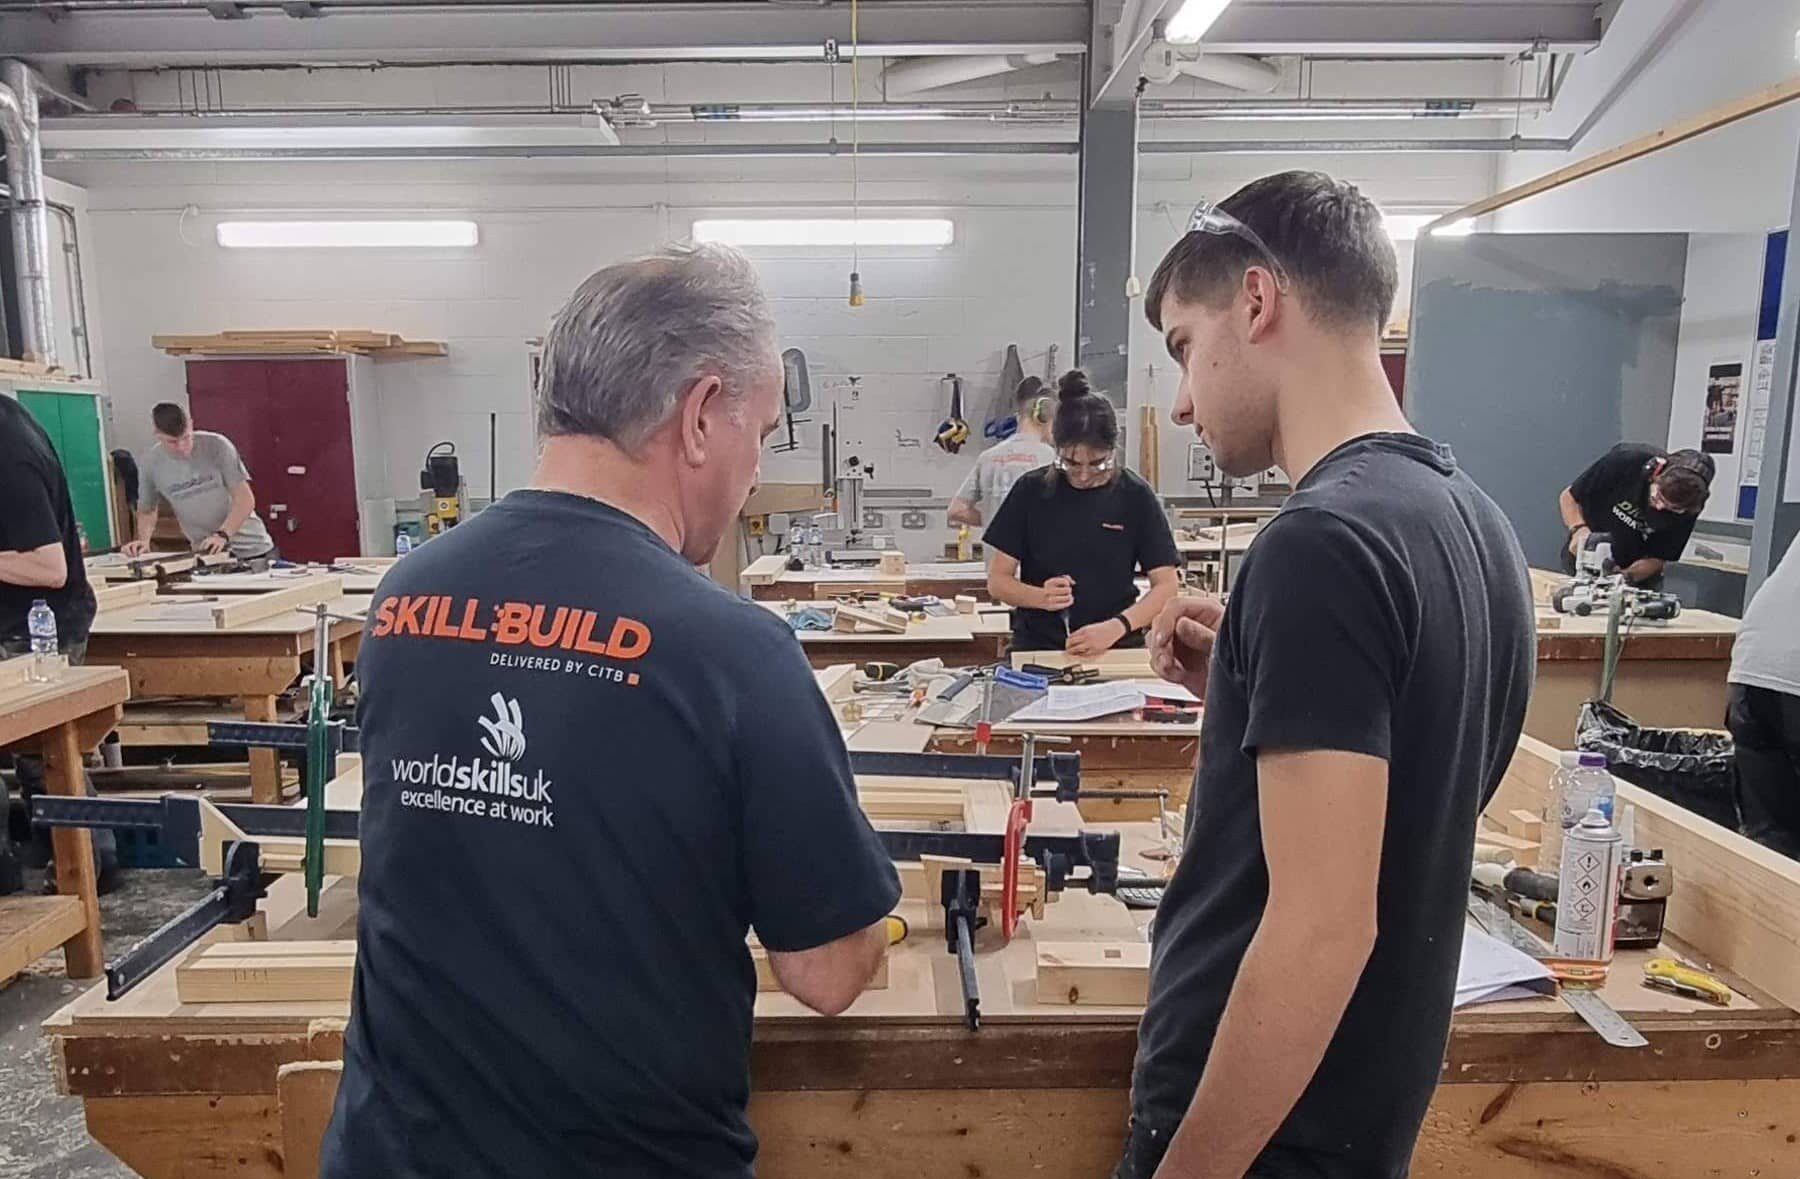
(589, 773)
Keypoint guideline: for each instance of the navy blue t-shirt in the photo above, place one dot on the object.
(588, 772)
(1385, 611)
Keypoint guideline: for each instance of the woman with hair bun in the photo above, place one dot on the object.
(1067, 545)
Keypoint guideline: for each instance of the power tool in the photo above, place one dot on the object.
(1598, 579)
(442, 477)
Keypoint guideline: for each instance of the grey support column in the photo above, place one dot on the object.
(1778, 519)
(1107, 242)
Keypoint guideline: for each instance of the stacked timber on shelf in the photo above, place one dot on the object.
(296, 343)
(31, 368)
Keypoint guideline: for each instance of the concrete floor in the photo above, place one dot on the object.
(42, 1135)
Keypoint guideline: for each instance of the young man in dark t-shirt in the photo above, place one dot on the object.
(1646, 502)
(40, 557)
(588, 772)
(1364, 691)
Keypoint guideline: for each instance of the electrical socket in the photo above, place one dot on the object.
(1201, 466)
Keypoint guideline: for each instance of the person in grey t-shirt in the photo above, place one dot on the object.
(205, 481)
(1764, 713)
(998, 468)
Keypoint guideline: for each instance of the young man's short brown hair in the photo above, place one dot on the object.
(1325, 233)
(169, 419)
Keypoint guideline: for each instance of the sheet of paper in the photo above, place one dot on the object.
(1489, 965)
(1163, 690)
(1074, 702)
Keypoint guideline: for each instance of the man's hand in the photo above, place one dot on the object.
(1095, 638)
(1058, 594)
(1181, 641)
(135, 548)
(214, 544)
(1576, 538)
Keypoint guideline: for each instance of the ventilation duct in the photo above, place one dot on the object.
(1165, 63)
(30, 213)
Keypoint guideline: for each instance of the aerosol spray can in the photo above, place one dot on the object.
(1587, 898)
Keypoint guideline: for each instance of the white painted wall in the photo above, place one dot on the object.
(1718, 326)
(1737, 179)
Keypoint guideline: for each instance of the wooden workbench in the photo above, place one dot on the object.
(60, 720)
(1671, 674)
(769, 579)
(897, 1088)
(169, 653)
(960, 640)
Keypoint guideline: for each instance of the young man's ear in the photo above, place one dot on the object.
(702, 414)
(1266, 301)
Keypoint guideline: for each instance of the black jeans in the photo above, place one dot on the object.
(1145, 1147)
(1765, 727)
(30, 770)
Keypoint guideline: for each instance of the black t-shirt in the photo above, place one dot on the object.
(1100, 536)
(588, 771)
(1385, 611)
(1614, 497)
(35, 510)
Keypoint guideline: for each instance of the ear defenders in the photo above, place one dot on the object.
(1040, 410)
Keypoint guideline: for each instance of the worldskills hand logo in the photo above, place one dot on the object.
(506, 732)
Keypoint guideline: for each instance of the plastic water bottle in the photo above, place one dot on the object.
(1567, 762)
(1590, 786)
(42, 624)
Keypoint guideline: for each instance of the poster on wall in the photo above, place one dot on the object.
(1718, 429)
(1762, 372)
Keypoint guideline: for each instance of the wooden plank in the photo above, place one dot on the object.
(124, 593)
(1523, 824)
(191, 1137)
(306, 1091)
(1712, 119)
(267, 972)
(837, 683)
(850, 618)
(1524, 852)
(32, 926)
(311, 592)
(1109, 974)
(265, 764)
(762, 571)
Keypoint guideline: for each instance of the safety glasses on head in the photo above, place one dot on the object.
(1209, 218)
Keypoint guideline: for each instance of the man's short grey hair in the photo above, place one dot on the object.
(636, 336)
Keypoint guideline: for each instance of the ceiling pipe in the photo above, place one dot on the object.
(678, 151)
(917, 75)
(30, 215)
(628, 111)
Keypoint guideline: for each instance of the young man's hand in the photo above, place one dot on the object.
(1095, 638)
(1058, 594)
(1576, 537)
(135, 548)
(214, 544)
(1181, 641)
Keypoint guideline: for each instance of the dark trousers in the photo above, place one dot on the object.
(1765, 727)
(1145, 1147)
(30, 770)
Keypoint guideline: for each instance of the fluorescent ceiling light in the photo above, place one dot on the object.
(375, 235)
(1405, 227)
(1192, 19)
(793, 231)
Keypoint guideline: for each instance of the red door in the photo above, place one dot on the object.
(290, 420)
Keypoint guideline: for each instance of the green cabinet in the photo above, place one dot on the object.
(72, 419)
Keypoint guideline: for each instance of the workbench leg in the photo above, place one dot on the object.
(265, 764)
(73, 848)
(338, 676)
